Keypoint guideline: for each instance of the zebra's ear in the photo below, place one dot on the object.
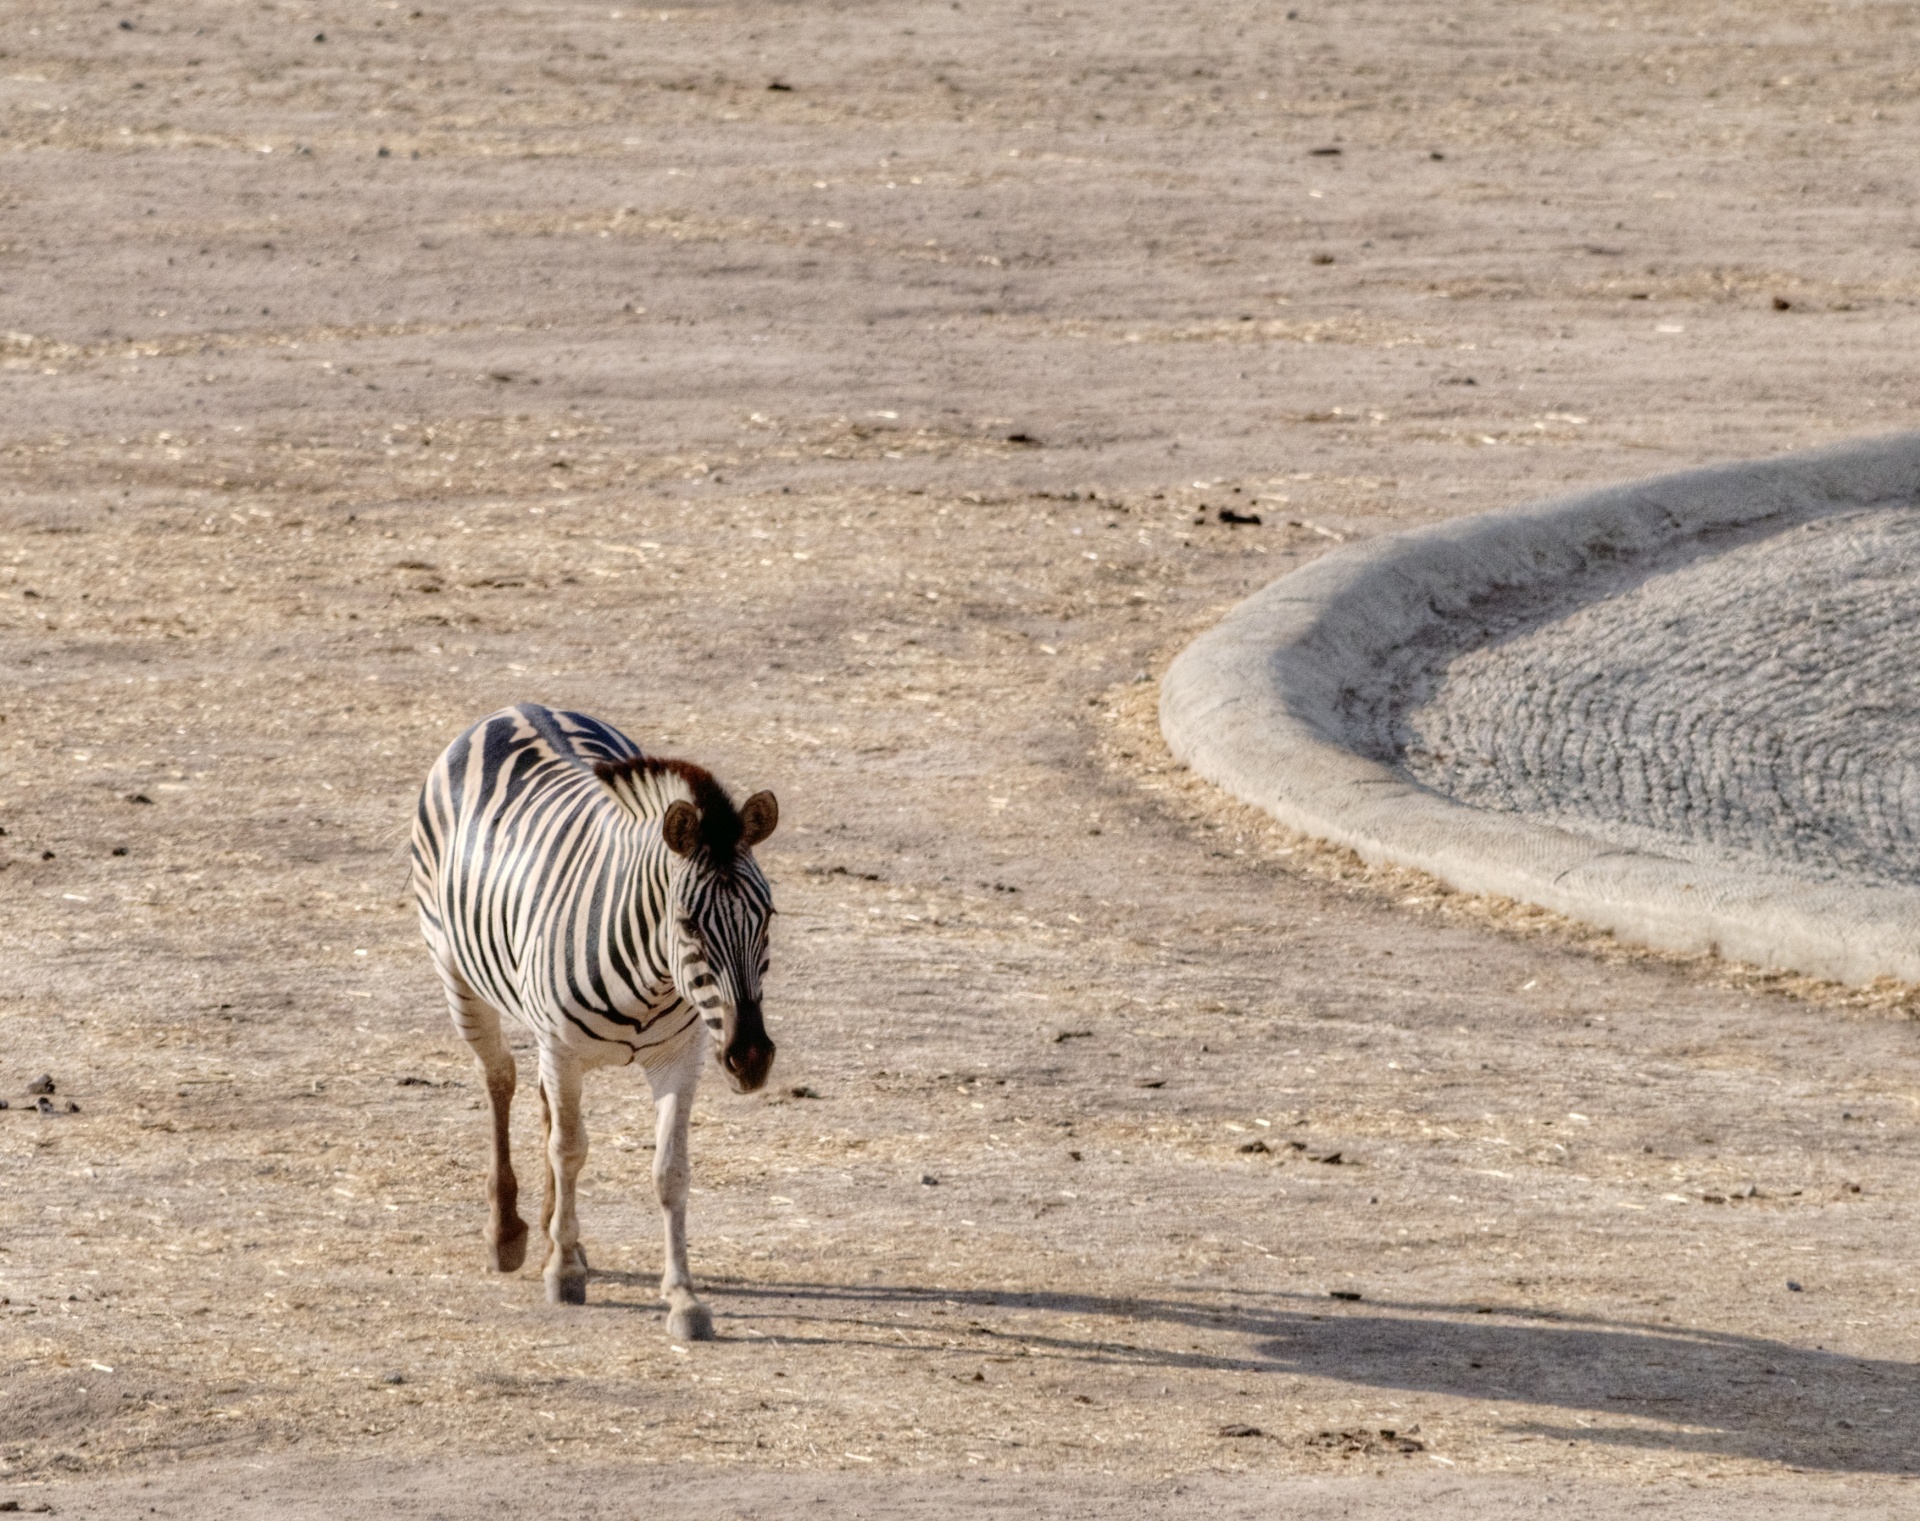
(681, 828)
(759, 815)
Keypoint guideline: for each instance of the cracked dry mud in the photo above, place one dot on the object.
(1755, 706)
(622, 381)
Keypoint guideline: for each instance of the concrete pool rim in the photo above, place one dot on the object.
(1253, 705)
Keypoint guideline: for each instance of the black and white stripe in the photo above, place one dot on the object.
(609, 901)
(547, 887)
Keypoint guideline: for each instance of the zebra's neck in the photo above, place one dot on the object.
(646, 795)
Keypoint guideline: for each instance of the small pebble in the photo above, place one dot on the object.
(928, 1180)
(42, 1084)
(1793, 1286)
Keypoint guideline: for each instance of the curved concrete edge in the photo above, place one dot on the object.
(1253, 706)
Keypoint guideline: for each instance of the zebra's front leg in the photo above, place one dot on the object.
(673, 1088)
(566, 1266)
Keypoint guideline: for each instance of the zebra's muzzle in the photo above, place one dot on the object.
(747, 1057)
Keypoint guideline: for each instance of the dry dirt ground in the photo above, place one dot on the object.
(845, 395)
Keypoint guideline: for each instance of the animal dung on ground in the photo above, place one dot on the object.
(1065, 1035)
(1782, 304)
(1347, 1294)
(1328, 152)
(42, 1084)
(928, 1180)
(1228, 515)
(1026, 439)
(1321, 258)
(1362, 1440)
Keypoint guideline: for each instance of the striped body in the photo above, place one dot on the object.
(545, 888)
(609, 901)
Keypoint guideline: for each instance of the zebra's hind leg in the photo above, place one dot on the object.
(479, 1022)
(673, 1086)
(566, 1265)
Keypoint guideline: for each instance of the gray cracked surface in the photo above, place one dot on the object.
(1679, 709)
(1757, 707)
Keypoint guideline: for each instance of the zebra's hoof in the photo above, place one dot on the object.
(571, 1289)
(690, 1323)
(510, 1251)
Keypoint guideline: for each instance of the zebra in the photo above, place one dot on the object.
(609, 901)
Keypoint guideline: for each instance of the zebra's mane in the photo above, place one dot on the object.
(720, 825)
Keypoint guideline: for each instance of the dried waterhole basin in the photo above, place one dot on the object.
(1685, 709)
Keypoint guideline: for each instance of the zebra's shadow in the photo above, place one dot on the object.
(1620, 1383)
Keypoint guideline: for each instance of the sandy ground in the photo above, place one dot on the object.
(866, 439)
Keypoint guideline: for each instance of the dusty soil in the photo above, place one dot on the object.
(866, 439)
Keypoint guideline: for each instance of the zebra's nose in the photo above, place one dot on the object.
(748, 1059)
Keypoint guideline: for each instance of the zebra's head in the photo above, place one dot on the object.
(719, 911)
